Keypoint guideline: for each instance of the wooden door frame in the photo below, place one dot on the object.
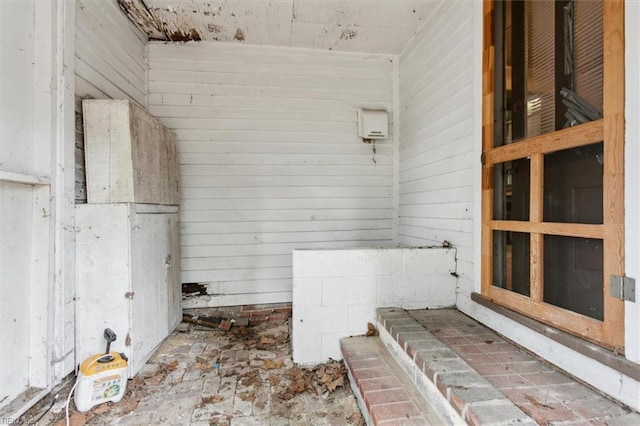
(610, 129)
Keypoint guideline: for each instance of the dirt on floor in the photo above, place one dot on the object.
(206, 376)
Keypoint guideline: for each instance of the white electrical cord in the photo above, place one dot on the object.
(66, 409)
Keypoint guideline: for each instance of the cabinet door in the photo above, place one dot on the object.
(150, 253)
(104, 277)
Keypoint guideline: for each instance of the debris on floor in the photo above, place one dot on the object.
(204, 375)
(321, 380)
(371, 330)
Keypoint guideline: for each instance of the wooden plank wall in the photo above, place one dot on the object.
(18, 154)
(110, 64)
(436, 135)
(270, 160)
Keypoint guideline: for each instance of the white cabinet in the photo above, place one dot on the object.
(128, 275)
(128, 239)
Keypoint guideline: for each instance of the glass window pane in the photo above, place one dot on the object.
(573, 185)
(539, 68)
(573, 274)
(588, 52)
(511, 261)
(552, 67)
(511, 190)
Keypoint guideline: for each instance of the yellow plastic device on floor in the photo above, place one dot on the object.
(102, 378)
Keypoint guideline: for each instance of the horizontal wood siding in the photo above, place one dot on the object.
(270, 160)
(110, 64)
(436, 134)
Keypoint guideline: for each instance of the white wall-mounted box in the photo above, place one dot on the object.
(131, 157)
(373, 124)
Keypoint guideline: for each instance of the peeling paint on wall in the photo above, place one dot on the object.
(361, 26)
(239, 35)
(144, 18)
(348, 34)
(213, 28)
(154, 22)
(189, 35)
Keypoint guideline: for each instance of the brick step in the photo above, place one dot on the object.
(472, 375)
(441, 375)
(386, 395)
(443, 391)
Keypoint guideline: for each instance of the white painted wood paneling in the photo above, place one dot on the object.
(25, 170)
(110, 53)
(436, 175)
(110, 64)
(17, 132)
(36, 309)
(270, 160)
(16, 211)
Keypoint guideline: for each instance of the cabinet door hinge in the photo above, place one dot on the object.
(623, 288)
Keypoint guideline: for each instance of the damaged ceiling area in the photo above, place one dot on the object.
(347, 25)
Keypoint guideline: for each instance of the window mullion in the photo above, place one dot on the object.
(536, 216)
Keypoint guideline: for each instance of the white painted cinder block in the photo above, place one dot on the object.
(416, 291)
(428, 262)
(310, 323)
(400, 290)
(348, 291)
(342, 302)
(308, 345)
(331, 345)
(320, 263)
(309, 291)
(443, 290)
(375, 262)
(359, 316)
(386, 296)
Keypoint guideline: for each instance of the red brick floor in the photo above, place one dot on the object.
(469, 394)
(541, 391)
